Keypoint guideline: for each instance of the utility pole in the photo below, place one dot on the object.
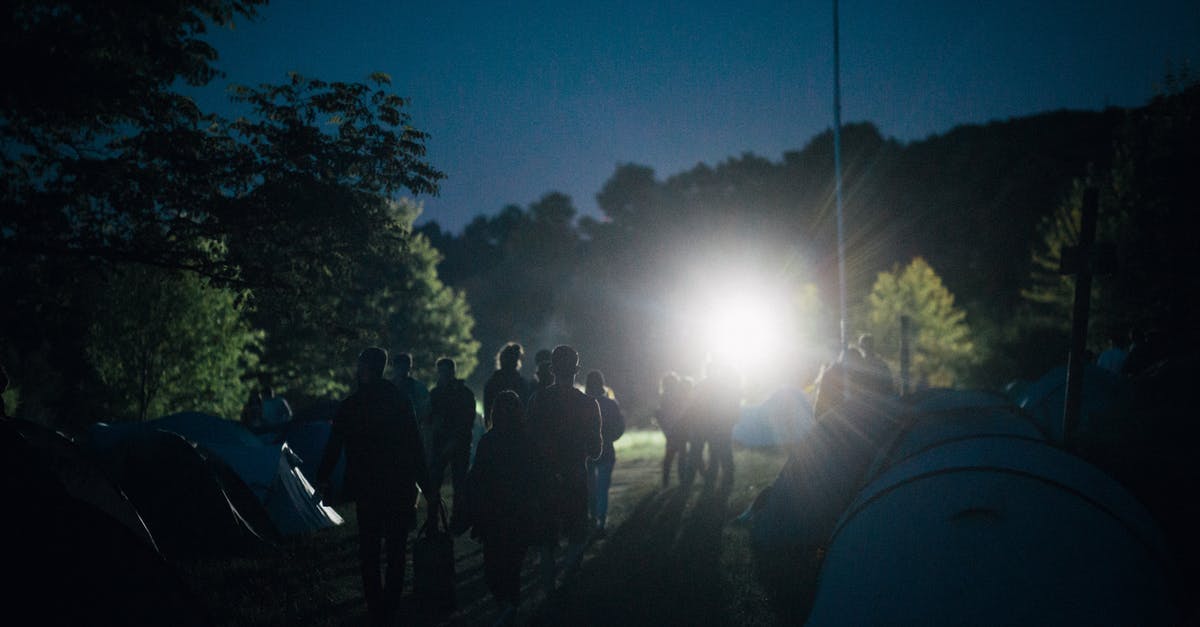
(1079, 314)
(837, 173)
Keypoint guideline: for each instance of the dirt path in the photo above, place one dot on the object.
(672, 557)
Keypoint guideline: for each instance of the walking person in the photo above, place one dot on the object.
(376, 428)
(452, 408)
(612, 427)
(672, 401)
(564, 424)
(418, 392)
(502, 510)
(507, 376)
(712, 413)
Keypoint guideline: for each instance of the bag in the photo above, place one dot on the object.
(433, 565)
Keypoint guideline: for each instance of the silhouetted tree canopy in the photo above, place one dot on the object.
(105, 163)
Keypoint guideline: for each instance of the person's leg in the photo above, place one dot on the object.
(591, 489)
(577, 537)
(668, 457)
(460, 463)
(396, 546)
(370, 539)
(603, 481)
(725, 454)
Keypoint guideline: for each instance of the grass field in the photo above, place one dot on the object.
(672, 557)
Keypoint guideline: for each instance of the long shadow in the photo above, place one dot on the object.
(661, 567)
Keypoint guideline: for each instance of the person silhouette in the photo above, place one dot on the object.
(612, 427)
(507, 376)
(377, 430)
(418, 392)
(564, 424)
(715, 405)
(501, 508)
(453, 414)
(672, 402)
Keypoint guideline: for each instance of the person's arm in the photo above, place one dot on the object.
(616, 427)
(595, 441)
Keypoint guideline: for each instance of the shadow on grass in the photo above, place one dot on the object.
(661, 567)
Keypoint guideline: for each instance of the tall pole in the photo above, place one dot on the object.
(1073, 398)
(837, 174)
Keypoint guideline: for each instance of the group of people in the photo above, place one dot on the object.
(541, 472)
(695, 418)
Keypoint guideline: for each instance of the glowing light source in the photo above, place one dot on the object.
(748, 328)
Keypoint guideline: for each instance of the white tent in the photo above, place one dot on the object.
(971, 518)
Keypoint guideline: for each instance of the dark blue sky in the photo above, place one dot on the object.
(526, 97)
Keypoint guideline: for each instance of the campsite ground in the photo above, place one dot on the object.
(671, 557)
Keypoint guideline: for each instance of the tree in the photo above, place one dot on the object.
(1146, 205)
(942, 350)
(164, 341)
(292, 204)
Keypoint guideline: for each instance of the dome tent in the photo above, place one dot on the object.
(1105, 410)
(72, 562)
(269, 471)
(175, 488)
(782, 419)
(971, 518)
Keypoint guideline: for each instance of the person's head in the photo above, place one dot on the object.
(268, 391)
(507, 412)
(445, 369)
(544, 375)
(564, 363)
(255, 398)
(509, 357)
(866, 344)
(594, 383)
(402, 362)
(371, 363)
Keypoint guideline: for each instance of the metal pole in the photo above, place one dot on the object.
(905, 352)
(1079, 314)
(837, 170)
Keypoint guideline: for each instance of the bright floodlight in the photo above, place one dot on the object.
(746, 329)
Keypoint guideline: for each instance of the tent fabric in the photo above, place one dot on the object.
(994, 531)
(176, 491)
(823, 473)
(81, 477)
(100, 570)
(308, 439)
(782, 419)
(1106, 408)
(267, 470)
(937, 416)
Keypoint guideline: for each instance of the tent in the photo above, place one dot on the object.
(267, 471)
(308, 439)
(176, 489)
(82, 479)
(782, 419)
(969, 516)
(1106, 409)
(72, 563)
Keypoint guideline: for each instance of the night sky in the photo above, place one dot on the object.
(524, 98)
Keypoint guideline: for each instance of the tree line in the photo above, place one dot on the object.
(156, 256)
(962, 231)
